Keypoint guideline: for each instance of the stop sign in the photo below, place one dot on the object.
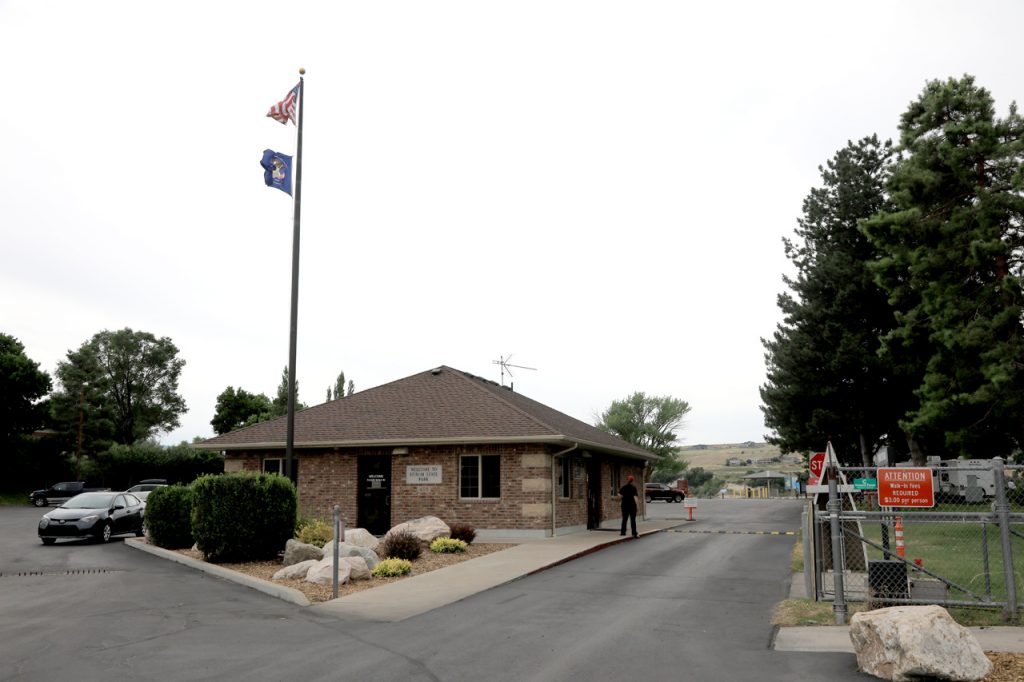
(816, 465)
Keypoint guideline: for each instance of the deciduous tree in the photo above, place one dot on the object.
(22, 389)
(236, 409)
(649, 422)
(135, 377)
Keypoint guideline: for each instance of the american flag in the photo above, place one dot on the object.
(284, 110)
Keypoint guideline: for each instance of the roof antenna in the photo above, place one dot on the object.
(504, 362)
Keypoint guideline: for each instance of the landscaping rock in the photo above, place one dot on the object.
(345, 549)
(295, 571)
(296, 552)
(910, 643)
(322, 572)
(426, 528)
(361, 538)
(358, 568)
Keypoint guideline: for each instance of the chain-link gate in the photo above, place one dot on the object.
(966, 550)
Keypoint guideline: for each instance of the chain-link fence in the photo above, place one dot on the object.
(966, 549)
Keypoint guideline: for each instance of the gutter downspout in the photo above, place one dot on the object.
(554, 486)
(643, 487)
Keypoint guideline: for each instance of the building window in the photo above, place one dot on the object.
(565, 475)
(275, 465)
(616, 479)
(480, 476)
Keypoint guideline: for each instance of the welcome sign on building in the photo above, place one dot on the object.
(422, 473)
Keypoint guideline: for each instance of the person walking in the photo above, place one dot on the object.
(628, 493)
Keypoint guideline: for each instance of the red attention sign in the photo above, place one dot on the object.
(905, 487)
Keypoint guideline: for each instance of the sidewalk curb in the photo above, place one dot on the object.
(597, 548)
(350, 603)
(287, 594)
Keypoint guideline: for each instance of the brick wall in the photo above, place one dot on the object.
(612, 503)
(330, 476)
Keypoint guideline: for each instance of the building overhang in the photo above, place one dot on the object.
(562, 441)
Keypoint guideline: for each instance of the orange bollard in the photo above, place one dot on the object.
(901, 551)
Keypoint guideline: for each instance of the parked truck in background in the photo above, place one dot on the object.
(58, 493)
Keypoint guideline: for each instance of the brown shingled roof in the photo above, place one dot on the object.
(439, 406)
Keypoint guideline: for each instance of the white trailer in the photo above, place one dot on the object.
(971, 480)
(965, 480)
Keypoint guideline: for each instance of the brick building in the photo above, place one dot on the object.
(448, 444)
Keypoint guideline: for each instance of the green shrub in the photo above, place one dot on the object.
(243, 517)
(464, 532)
(389, 568)
(315, 532)
(448, 546)
(401, 545)
(169, 517)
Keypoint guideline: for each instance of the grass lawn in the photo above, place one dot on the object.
(956, 552)
(795, 612)
(8, 499)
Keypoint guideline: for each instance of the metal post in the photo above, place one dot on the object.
(289, 445)
(835, 504)
(819, 554)
(984, 560)
(1002, 511)
(337, 538)
(806, 522)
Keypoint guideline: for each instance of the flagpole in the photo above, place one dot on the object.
(289, 470)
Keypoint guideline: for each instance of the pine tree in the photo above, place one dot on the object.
(951, 267)
(826, 380)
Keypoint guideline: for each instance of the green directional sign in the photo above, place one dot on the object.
(865, 484)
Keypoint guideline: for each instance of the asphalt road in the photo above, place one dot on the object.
(688, 605)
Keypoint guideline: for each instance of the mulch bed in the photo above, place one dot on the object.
(428, 561)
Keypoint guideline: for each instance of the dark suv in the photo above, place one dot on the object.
(663, 491)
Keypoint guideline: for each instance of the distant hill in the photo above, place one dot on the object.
(735, 460)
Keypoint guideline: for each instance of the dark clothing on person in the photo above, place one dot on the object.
(628, 493)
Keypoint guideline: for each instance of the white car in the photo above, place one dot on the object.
(143, 489)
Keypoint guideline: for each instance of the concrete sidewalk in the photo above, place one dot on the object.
(421, 593)
(836, 638)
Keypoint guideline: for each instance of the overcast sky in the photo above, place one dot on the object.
(598, 189)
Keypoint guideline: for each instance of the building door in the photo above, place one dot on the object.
(375, 494)
(593, 493)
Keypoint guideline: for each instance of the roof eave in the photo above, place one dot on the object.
(384, 443)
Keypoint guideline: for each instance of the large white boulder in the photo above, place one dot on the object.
(426, 528)
(361, 538)
(910, 643)
(345, 549)
(322, 572)
(296, 552)
(358, 568)
(295, 571)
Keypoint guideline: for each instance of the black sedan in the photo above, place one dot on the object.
(661, 491)
(95, 515)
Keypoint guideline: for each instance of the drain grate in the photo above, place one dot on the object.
(70, 571)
